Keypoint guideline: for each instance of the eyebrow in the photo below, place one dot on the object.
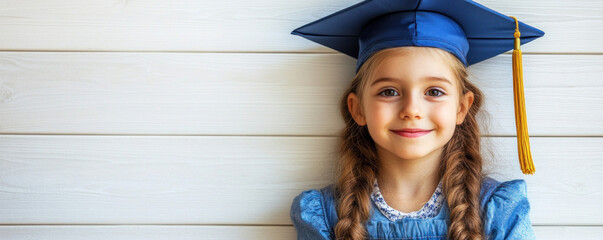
(430, 79)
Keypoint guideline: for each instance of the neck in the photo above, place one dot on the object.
(408, 177)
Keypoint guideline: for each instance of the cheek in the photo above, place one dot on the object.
(445, 114)
(379, 113)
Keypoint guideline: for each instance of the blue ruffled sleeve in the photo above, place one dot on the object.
(507, 212)
(308, 216)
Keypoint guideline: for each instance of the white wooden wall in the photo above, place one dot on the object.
(196, 119)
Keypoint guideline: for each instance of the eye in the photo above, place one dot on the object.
(435, 92)
(389, 93)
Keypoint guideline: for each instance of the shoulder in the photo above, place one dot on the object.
(314, 198)
(310, 213)
(506, 209)
(493, 190)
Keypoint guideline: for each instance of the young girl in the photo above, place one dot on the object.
(410, 164)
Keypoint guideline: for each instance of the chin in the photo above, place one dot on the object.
(413, 152)
(409, 155)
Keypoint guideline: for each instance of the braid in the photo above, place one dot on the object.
(354, 187)
(357, 169)
(461, 172)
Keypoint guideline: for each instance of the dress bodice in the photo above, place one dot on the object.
(504, 205)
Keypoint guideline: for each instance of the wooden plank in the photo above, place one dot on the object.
(143, 232)
(241, 180)
(259, 94)
(568, 232)
(245, 26)
(222, 232)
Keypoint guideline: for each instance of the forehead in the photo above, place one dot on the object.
(414, 64)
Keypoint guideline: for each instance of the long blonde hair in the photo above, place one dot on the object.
(460, 169)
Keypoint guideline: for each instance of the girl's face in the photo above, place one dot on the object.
(411, 105)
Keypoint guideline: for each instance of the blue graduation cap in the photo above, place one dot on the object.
(468, 30)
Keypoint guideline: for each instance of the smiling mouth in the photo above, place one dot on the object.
(411, 133)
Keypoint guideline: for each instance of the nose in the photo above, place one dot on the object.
(411, 107)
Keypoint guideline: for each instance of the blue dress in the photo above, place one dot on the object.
(505, 207)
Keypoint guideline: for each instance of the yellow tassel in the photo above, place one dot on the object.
(523, 139)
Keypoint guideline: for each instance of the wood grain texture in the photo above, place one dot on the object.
(266, 103)
(245, 26)
(260, 94)
(568, 232)
(221, 232)
(147, 232)
(242, 180)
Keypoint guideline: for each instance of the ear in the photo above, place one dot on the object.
(464, 105)
(355, 109)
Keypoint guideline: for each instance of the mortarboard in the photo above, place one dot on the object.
(468, 30)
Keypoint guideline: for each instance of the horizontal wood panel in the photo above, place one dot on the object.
(146, 232)
(221, 232)
(260, 94)
(242, 180)
(568, 232)
(238, 25)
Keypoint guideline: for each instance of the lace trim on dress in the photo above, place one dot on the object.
(429, 210)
